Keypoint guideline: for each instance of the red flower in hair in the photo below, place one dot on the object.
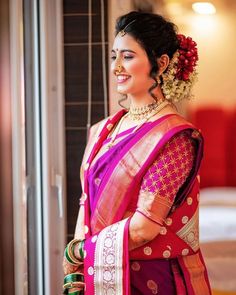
(188, 57)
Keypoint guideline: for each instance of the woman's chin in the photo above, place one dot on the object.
(121, 90)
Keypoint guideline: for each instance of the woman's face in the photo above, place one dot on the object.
(135, 67)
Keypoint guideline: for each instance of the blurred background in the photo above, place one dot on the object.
(55, 83)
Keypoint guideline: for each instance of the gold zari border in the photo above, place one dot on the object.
(190, 232)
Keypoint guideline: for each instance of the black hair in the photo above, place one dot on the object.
(154, 33)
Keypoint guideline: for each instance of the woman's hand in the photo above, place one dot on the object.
(69, 269)
(141, 230)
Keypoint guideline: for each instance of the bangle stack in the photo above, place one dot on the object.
(71, 281)
(74, 280)
(70, 253)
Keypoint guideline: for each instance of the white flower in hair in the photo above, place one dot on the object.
(181, 74)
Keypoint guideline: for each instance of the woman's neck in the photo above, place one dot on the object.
(138, 101)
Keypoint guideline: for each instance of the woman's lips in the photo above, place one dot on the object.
(122, 78)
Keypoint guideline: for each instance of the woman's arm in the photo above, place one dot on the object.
(159, 188)
(79, 229)
(79, 234)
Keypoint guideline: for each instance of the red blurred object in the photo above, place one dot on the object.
(218, 127)
(231, 149)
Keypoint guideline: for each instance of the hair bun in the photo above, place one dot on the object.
(181, 74)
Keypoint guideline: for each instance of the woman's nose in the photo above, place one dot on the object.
(117, 67)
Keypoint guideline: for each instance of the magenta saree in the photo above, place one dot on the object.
(111, 185)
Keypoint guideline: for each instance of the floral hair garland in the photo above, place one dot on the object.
(181, 74)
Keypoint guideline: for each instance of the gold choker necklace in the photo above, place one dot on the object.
(138, 114)
(152, 113)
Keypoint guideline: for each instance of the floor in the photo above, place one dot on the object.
(218, 238)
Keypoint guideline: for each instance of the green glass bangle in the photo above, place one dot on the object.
(74, 277)
(81, 249)
(72, 285)
(81, 292)
(70, 250)
(68, 258)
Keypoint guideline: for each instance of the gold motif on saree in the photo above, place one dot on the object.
(190, 232)
(97, 181)
(110, 126)
(152, 286)
(135, 266)
(184, 219)
(168, 221)
(189, 201)
(163, 231)
(147, 251)
(185, 251)
(166, 254)
(166, 174)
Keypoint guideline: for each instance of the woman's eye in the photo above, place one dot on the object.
(128, 56)
(113, 57)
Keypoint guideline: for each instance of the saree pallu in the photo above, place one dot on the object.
(107, 258)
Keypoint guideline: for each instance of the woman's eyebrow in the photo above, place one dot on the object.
(123, 50)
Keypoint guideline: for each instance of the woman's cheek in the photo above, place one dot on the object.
(136, 69)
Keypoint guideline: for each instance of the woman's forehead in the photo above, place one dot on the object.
(126, 42)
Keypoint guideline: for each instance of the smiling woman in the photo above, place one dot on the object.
(137, 228)
(131, 66)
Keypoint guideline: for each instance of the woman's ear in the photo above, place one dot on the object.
(163, 63)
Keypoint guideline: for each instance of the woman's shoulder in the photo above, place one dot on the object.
(102, 123)
(98, 126)
(176, 124)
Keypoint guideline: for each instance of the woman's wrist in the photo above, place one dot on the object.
(79, 250)
(74, 252)
(73, 283)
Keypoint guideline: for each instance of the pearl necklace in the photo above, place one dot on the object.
(150, 115)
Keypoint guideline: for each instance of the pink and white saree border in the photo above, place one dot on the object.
(109, 260)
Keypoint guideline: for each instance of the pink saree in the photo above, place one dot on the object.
(111, 184)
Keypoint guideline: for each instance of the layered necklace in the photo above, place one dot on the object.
(142, 114)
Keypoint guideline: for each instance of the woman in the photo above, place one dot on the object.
(137, 229)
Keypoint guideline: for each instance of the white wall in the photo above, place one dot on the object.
(216, 39)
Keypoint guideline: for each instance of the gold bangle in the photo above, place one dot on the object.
(71, 285)
(70, 251)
